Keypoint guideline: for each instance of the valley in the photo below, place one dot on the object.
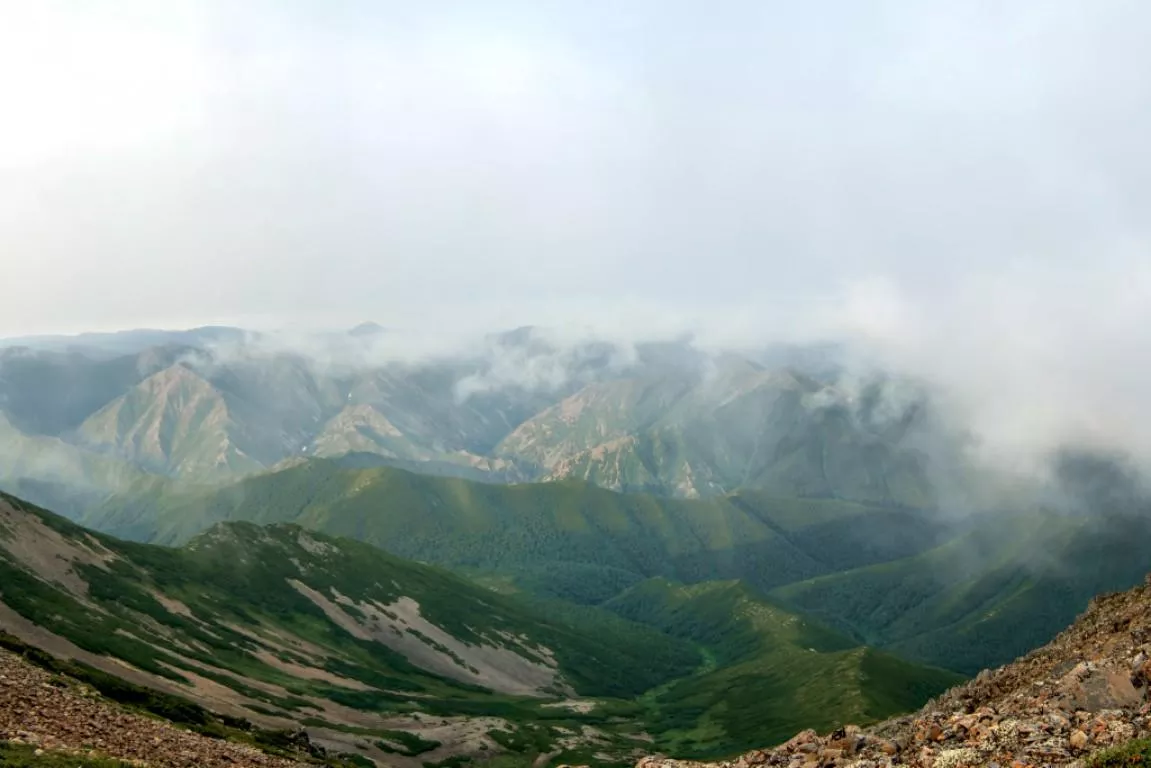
(289, 628)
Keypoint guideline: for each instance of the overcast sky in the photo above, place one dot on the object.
(967, 183)
(327, 161)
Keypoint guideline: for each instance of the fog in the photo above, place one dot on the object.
(956, 192)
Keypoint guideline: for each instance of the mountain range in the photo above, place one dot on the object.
(553, 547)
(661, 418)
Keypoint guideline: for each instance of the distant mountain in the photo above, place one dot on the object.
(117, 343)
(735, 425)
(214, 404)
(173, 422)
(1007, 583)
(51, 393)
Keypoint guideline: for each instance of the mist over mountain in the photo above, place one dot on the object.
(675, 417)
(506, 384)
(549, 406)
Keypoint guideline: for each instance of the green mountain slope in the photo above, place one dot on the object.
(53, 472)
(289, 627)
(767, 666)
(567, 539)
(961, 594)
(1006, 586)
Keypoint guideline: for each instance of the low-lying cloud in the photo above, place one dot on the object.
(957, 193)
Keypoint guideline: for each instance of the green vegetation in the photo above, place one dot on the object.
(174, 709)
(1133, 754)
(241, 573)
(455, 761)
(568, 539)
(224, 608)
(24, 756)
(961, 595)
(404, 743)
(770, 673)
(1006, 586)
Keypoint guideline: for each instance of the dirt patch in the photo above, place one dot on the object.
(172, 605)
(313, 545)
(581, 706)
(310, 673)
(401, 627)
(35, 635)
(46, 553)
(278, 641)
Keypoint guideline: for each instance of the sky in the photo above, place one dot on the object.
(964, 186)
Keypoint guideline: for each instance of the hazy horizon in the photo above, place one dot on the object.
(960, 189)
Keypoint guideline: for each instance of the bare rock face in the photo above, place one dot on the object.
(1086, 690)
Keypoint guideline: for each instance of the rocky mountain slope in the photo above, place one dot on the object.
(1085, 691)
(45, 716)
(173, 422)
(735, 425)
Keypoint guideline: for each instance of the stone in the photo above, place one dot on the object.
(1078, 739)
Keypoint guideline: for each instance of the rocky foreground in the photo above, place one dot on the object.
(59, 715)
(1084, 691)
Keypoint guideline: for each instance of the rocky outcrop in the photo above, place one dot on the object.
(56, 714)
(1086, 690)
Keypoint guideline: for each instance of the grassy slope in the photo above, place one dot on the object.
(567, 539)
(963, 598)
(239, 573)
(25, 756)
(772, 672)
(1005, 587)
